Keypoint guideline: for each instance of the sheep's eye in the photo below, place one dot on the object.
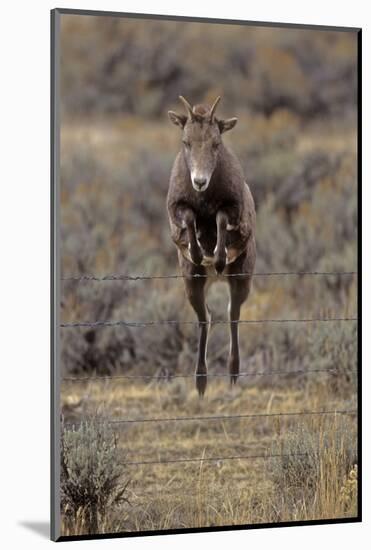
(187, 144)
(215, 144)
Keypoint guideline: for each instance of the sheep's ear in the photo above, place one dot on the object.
(178, 120)
(227, 124)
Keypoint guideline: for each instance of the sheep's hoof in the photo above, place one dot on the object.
(201, 382)
(196, 254)
(220, 264)
(234, 369)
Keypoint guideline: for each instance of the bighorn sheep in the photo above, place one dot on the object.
(212, 221)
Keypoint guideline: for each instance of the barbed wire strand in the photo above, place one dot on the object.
(217, 417)
(213, 459)
(195, 375)
(119, 277)
(138, 324)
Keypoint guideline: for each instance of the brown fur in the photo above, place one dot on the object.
(200, 224)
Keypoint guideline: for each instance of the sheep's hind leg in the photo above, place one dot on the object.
(239, 289)
(195, 289)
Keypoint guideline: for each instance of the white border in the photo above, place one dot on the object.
(25, 266)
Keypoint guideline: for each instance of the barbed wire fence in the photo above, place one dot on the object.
(123, 277)
(168, 377)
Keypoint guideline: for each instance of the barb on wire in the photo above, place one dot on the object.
(212, 459)
(168, 377)
(218, 417)
(122, 277)
(137, 324)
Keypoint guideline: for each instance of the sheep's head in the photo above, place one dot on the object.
(201, 140)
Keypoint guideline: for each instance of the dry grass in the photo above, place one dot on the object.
(321, 484)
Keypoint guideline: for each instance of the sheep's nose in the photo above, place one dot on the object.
(200, 181)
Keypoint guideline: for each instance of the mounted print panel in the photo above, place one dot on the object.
(205, 287)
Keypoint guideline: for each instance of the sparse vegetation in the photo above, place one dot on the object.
(93, 485)
(349, 491)
(293, 92)
(309, 479)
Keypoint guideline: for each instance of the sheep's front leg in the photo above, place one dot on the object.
(220, 253)
(187, 218)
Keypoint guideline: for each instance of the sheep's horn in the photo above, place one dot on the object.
(212, 110)
(186, 105)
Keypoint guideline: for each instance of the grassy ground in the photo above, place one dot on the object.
(312, 485)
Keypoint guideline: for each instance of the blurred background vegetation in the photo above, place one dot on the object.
(294, 93)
